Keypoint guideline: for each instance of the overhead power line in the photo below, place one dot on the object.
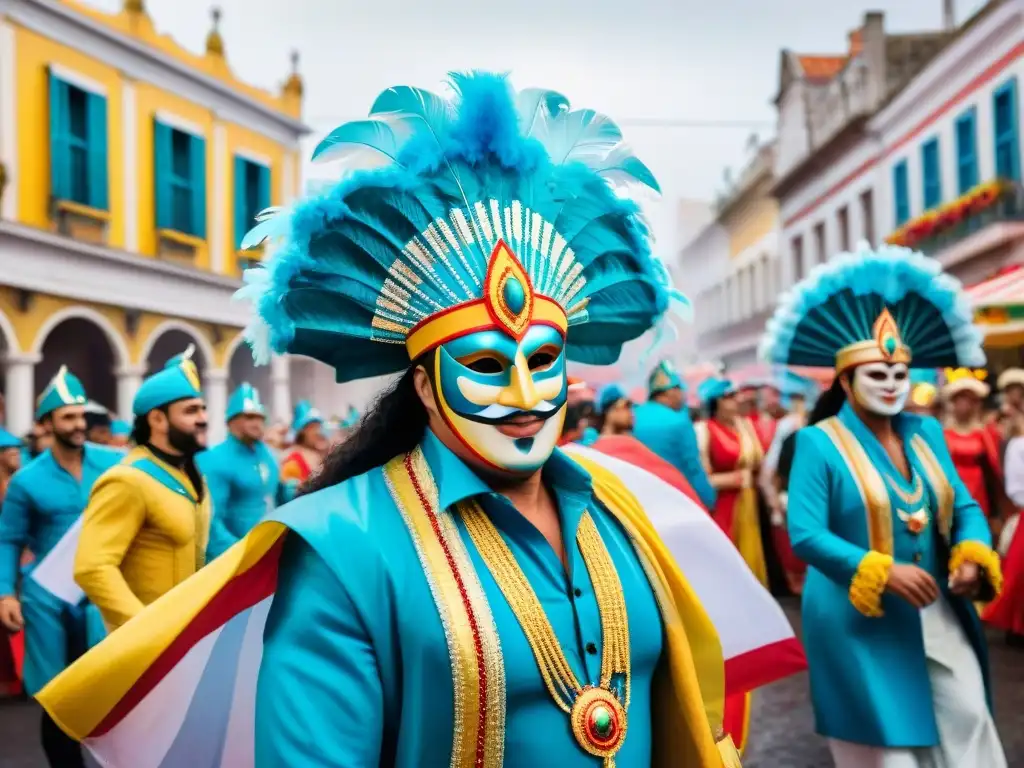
(638, 122)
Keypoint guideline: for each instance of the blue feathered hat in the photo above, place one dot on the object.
(305, 414)
(714, 388)
(495, 209)
(64, 389)
(179, 380)
(664, 377)
(609, 395)
(245, 401)
(884, 305)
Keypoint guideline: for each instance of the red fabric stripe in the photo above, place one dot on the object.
(239, 594)
(764, 665)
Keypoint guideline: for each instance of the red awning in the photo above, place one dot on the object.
(1001, 290)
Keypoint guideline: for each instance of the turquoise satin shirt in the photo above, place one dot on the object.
(869, 678)
(670, 434)
(43, 501)
(355, 670)
(243, 484)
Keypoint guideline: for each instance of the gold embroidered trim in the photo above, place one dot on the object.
(936, 477)
(868, 481)
(568, 693)
(434, 546)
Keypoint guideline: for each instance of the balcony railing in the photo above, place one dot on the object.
(989, 203)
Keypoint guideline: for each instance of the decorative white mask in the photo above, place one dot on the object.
(881, 388)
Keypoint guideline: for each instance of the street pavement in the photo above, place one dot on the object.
(782, 725)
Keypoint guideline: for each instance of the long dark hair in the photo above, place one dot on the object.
(830, 402)
(395, 424)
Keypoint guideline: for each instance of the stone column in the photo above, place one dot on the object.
(215, 388)
(129, 379)
(281, 385)
(19, 397)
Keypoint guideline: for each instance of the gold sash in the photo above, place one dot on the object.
(688, 698)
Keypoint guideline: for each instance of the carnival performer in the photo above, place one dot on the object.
(120, 434)
(973, 448)
(1007, 611)
(43, 500)
(794, 389)
(730, 451)
(147, 523)
(924, 393)
(419, 612)
(241, 473)
(308, 449)
(663, 424)
(896, 547)
(758, 401)
(10, 459)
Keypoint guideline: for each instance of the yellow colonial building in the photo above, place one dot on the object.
(131, 168)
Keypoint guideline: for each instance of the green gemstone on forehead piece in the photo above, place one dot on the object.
(890, 345)
(514, 294)
(602, 721)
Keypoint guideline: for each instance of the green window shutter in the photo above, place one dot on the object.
(98, 168)
(264, 191)
(197, 156)
(60, 154)
(162, 159)
(242, 223)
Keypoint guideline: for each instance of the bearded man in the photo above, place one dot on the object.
(44, 499)
(147, 524)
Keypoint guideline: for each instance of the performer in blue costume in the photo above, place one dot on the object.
(44, 500)
(241, 473)
(897, 550)
(421, 614)
(663, 424)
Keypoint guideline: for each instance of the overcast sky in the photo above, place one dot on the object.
(639, 61)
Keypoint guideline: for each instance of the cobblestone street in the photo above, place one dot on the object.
(782, 727)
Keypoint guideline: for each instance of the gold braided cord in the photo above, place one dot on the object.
(558, 676)
(913, 497)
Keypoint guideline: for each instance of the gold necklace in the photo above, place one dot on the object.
(911, 498)
(597, 715)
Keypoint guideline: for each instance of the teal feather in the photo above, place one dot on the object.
(411, 233)
(837, 305)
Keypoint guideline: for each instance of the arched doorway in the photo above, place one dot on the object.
(85, 348)
(241, 368)
(171, 342)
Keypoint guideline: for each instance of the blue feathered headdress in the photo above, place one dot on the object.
(414, 232)
(885, 305)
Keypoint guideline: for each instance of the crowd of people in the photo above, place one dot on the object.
(443, 586)
(147, 505)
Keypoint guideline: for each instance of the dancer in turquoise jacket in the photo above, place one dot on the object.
(663, 424)
(241, 473)
(897, 549)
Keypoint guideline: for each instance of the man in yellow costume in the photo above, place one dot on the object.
(452, 590)
(146, 526)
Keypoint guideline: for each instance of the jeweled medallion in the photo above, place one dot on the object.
(599, 723)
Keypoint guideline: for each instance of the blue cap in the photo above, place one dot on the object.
(305, 414)
(924, 376)
(120, 428)
(664, 377)
(63, 389)
(245, 401)
(714, 388)
(609, 396)
(7, 440)
(179, 380)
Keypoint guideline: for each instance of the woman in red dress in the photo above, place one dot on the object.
(731, 452)
(974, 449)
